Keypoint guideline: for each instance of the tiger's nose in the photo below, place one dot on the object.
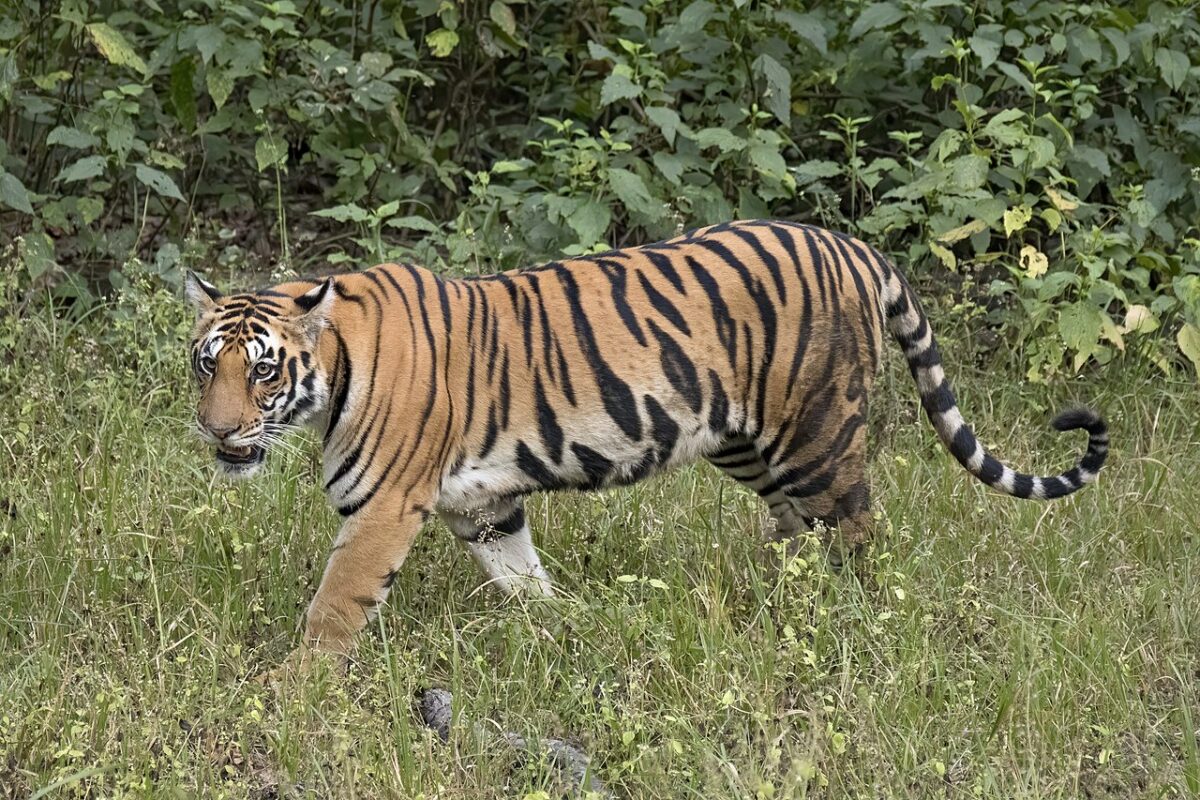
(221, 432)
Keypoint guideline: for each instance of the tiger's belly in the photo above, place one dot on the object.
(586, 456)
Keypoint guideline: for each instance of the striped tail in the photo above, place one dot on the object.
(910, 327)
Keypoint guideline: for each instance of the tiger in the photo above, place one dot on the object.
(750, 344)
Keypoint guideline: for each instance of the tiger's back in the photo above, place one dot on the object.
(751, 344)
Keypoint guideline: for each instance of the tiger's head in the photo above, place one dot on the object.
(255, 358)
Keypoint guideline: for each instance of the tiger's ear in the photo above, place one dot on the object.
(315, 306)
(202, 294)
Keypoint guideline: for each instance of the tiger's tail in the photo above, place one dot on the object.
(910, 327)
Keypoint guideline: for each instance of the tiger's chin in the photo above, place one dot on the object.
(241, 462)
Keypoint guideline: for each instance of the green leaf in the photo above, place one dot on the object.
(1173, 65)
(811, 171)
(413, 223)
(618, 87)
(806, 26)
(670, 165)
(83, 169)
(157, 180)
(768, 160)
(631, 190)
(778, 94)
(115, 47)
(345, 213)
(1189, 343)
(72, 137)
(442, 42)
(90, 209)
(13, 193)
(1080, 325)
(209, 39)
(876, 15)
(502, 15)
(969, 172)
(520, 165)
(988, 50)
(721, 138)
(269, 153)
(220, 86)
(183, 92)
(667, 120)
(590, 221)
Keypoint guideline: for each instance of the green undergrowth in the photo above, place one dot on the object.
(982, 647)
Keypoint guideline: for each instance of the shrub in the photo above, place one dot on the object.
(1047, 152)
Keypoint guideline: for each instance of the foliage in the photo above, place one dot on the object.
(1045, 152)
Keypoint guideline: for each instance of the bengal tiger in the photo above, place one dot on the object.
(751, 344)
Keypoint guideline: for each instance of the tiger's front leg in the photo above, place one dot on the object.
(368, 552)
(499, 539)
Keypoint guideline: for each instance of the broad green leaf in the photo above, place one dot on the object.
(13, 193)
(502, 167)
(667, 120)
(768, 160)
(778, 93)
(1189, 343)
(1173, 65)
(90, 209)
(503, 16)
(590, 221)
(209, 39)
(670, 165)
(83, 169)
(631, 190)
(1094, 158)
(442, 42)
(874, 16)
(115, 47)
(988, 50)
(72, 137)
(721, 138)
(349, 212)
(220, 86)
(269, 152)
(8, 75)
(969, 171)
(413, 223)
(815, 170)
(1080, 325)
(806, 26)
(618, 87)
(157, 180)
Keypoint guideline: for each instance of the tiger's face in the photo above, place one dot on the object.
(255, 360)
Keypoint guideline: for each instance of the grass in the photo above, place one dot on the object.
(984, 646)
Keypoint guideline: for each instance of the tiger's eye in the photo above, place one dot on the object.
(263, 370)
(208, 364)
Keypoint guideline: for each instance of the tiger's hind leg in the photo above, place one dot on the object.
(833, 491)
(498, 537)
(740, 460)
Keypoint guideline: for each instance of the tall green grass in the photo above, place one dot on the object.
(983, 646)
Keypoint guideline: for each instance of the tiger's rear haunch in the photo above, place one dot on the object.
(751, 344)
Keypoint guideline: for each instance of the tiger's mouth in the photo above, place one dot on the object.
(237, 459)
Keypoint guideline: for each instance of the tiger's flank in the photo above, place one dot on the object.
(751, 344)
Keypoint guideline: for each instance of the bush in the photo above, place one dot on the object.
(1047, 152)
